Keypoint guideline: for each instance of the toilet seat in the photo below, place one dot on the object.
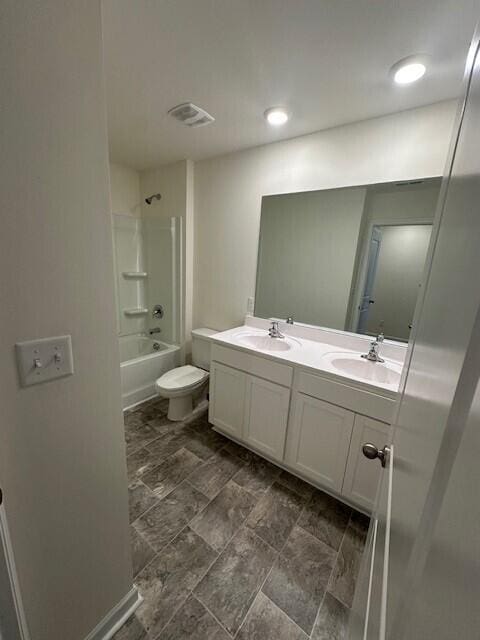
(180, 380)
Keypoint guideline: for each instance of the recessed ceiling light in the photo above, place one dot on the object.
(276, 116)
(409, 69)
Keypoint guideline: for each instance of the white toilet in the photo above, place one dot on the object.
(182, 384)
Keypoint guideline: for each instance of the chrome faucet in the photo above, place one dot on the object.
(373, 353)
(289, 320)
(154, 331)
(274, 332)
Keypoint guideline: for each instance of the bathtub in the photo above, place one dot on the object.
(143, 360)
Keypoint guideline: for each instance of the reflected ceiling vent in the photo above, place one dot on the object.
(191, 115)
(408, 183)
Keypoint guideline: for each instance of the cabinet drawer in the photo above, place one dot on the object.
(343, 395)
(255, 365)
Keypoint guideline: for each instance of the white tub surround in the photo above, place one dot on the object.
(143, 360)
(307, 401)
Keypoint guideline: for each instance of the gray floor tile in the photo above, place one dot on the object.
(197, 420)
(133, 419)
(233, 581)
(212, 476)
(140, 498)
(154, 408)
(222, 518)
(194, 622)
(231, 491)
(326, 518)
(265, 621)
(360, 522)
(162, 423)
(237, 450)
(166, 582)
(171, 442)
(133, 629)
(344, 576)
(142, 552)
(257, 475)
(275, 514)
(204, 443)
(163, 478)
(162, 523)
(140, 462)
(301, 487)
(332, 620)
(298, 580)
(137, 436)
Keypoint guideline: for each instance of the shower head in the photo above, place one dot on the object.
(155, 196)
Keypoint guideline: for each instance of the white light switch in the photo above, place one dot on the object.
(44, 359)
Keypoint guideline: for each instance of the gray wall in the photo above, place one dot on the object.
(400, 266)
(308, 243)
(62, 457)
(387, 205)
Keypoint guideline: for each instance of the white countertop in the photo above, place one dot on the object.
(321, 357)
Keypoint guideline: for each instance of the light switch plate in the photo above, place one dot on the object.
(44, 359)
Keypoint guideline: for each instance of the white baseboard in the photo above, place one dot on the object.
(116, 617)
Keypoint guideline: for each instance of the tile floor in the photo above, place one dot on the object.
(226, 545)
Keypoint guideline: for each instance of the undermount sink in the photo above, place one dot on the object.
(353, 365)
(266, 343)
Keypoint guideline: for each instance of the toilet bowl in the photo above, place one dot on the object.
(182, 384)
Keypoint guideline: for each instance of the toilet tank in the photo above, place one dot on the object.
(201, 347)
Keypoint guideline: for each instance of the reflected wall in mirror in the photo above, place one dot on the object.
(349, 259)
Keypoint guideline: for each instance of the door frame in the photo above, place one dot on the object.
(365, 253)
(18, 629)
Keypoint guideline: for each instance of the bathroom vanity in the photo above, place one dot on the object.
(307, 402)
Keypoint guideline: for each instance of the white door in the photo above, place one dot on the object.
(318, 441)
(419, 579)
(227, 399)
(266, 416)
(361, 477)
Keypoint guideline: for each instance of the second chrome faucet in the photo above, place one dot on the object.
(274, 331)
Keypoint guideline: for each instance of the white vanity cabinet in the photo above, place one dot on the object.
(227, 399)
(326, 433)
(318, 440)
(251, 408)
(362, 475)
(266, 416)
(311, 424)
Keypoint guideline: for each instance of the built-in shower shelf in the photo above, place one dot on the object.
(135, 274)
(135, 312)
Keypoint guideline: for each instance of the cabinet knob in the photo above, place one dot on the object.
(372, 452)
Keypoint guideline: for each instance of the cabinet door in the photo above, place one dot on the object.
(362, 477)
(227, 399)
(266, 416)
(319, 439)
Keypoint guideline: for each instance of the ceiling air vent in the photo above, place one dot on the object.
(191, 115)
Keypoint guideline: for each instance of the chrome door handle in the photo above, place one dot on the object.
(372, 452)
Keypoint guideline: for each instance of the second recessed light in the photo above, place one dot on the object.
(409, 69)
(276, 116)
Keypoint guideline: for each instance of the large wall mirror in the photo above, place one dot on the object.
(349, 259)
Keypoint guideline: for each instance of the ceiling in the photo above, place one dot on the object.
(327, 61)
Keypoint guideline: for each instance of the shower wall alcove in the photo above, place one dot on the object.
(148, 264)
